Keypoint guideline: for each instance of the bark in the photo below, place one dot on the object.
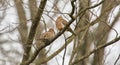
(29, 42)
(102, 31)
(22, 28)
(82, 45)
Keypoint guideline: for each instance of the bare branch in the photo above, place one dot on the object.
(117, 60)
(59, 34)
(98, 48)
(73, 8)
(32, 32)
(58, 51)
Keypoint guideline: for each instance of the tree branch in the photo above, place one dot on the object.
(60, 33)
(32, 32)
(98, 48)
(73, 8)
(117, 59)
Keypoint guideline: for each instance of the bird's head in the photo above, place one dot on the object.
(60, 17)
(51, 30)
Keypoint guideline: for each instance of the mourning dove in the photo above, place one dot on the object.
(61, 23)
(48, 35)
(45, 37)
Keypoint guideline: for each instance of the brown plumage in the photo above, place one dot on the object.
(61, 23)
(48, 35)
(45, 37)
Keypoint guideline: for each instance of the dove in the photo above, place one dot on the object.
(45, 37)
(61, 23)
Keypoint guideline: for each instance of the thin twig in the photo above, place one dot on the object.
(73, 8)
(98, 48)
(105, 23)
(117, 59)
(60, 33)
(57, 61)
(65, 49)
(69, 39)
(44, 24)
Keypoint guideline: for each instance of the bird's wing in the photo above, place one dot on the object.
(64, 22)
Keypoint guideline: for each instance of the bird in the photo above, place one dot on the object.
(49, 35)
(61, 23)
(45, 38)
